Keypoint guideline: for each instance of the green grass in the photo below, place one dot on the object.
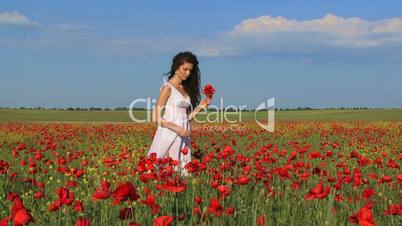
(12, 115)
(17, 115)
(353, 115)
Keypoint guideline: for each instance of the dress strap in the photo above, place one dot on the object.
(166, 84)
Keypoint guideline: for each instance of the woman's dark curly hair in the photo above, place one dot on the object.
(192, 84)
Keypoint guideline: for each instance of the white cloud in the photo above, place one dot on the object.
(283, 36)
(15, 18)
(324, 39)
(330, 23)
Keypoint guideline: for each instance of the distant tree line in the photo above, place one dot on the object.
(327, 108)
(75, 108)
(302, 109)
(210, 109)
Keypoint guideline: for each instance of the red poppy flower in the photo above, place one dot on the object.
(283, 172)
(11, 196)
(173, 185)
(173, 188)
(83, 222)
(124, 192)
(215, 207)
(394, 209)
(209, 90)
(17, 206)
(224, 190)
(261, 220)
(40, 184)
(71, 184)
(5, 221)
(65, 196)
(19, 215)
(230, 210)
(197, 211)
(22, 217)
(55, 206)
(318, 192)
(314, 154)
(4, 166)
(103, 192)
(198, 200)
(78, 206)
(243, 179)
(149, 201)
(364, 216)
(296, 185)
(184, 150)
(39, 195)
(163, 221)
(385, 179)
(368, 193)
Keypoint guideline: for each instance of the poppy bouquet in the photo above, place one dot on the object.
(209, 90)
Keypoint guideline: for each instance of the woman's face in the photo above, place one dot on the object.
(184, 71)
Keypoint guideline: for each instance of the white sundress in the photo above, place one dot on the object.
(167, 143)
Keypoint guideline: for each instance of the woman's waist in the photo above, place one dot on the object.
(180, 120)
(175, 118)
(172, 110)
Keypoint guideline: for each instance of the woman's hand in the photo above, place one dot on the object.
(183, 132)
(175, 128)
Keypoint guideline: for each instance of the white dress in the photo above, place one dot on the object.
(167, 143)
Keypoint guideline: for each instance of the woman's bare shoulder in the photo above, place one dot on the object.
(165, 91)
(165, 87)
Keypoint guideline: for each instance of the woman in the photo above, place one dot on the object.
(178, 96)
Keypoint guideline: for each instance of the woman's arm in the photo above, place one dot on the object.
(157, 113)
(203, 105)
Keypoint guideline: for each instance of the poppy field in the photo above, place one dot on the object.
(305, 173)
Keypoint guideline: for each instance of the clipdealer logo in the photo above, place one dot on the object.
(216, 114)
(268, 106)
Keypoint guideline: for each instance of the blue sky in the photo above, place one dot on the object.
(106, 54)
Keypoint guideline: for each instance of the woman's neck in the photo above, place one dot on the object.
(176, 80)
